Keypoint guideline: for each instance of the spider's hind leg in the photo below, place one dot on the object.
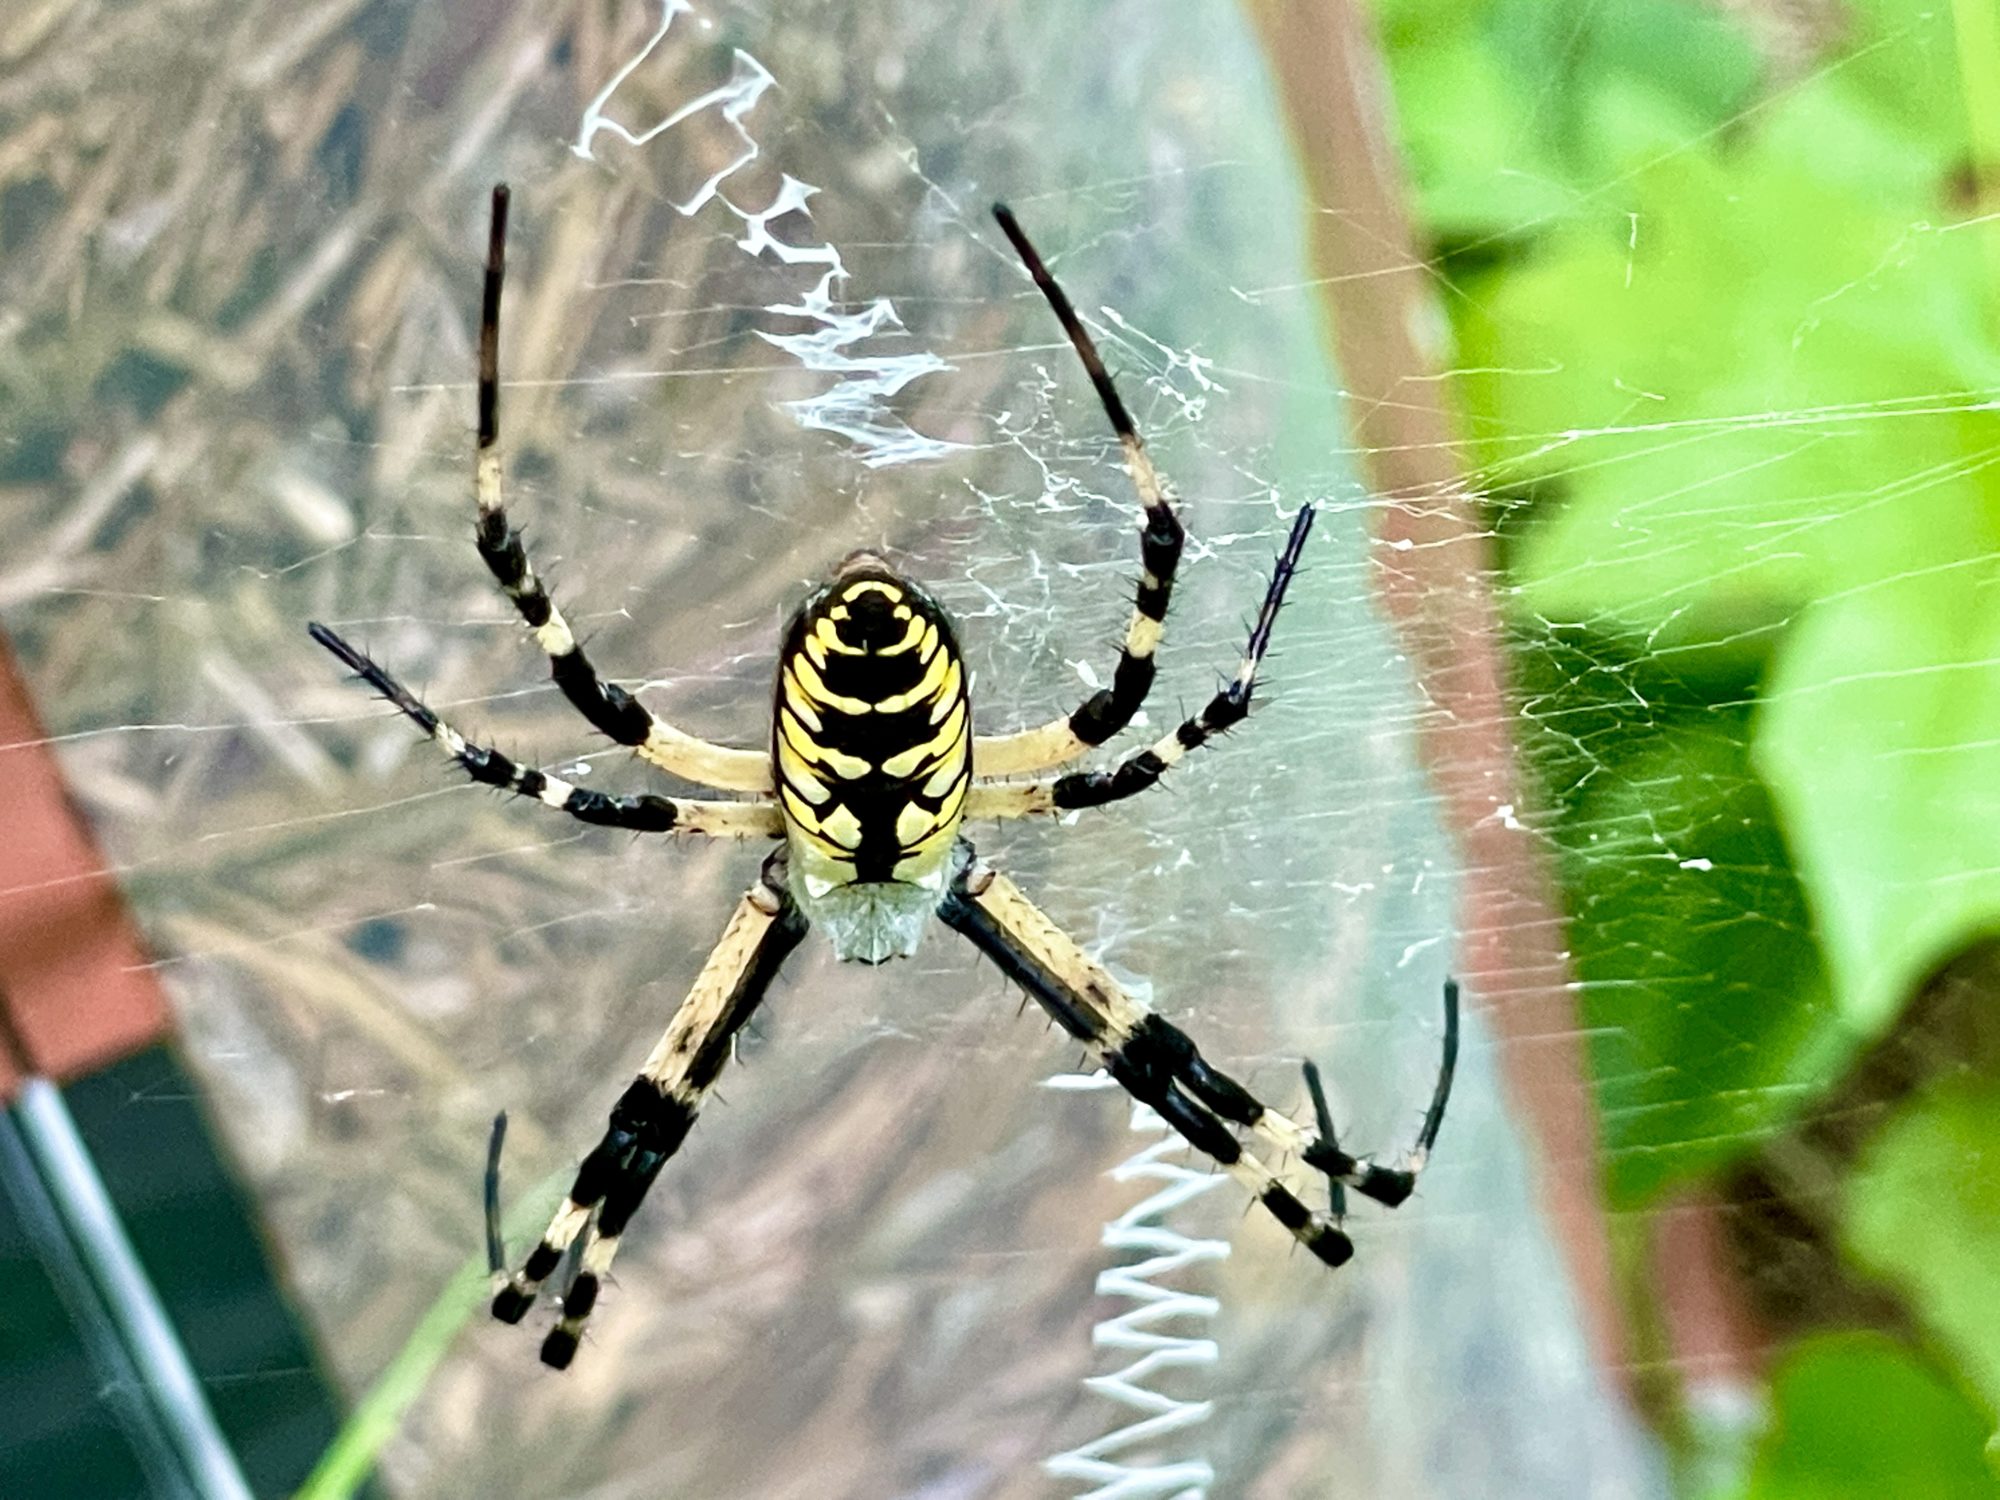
(654, 1114)
(1320, 1147)
(1148, 1073)
(1151, 1058)
(648, 1125)
(1388, 1186)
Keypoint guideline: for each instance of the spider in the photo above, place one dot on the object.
(870, 775)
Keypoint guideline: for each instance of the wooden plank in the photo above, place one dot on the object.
(76, 990)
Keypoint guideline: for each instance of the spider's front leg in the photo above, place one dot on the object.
(608, 707)
(1142, 769)
(653, 1116)
(1108, 710)
(647, 813)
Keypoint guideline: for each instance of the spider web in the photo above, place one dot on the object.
(758, 316)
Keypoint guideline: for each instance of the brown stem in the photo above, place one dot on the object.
(1714, 1339)
(1433, 568)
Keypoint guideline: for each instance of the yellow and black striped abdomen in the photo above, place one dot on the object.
(872, 735)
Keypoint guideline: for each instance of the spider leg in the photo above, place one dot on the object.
(1110, 709)
(496, 1244)
(642, 814)
(1154, 1060)
(1389, 1186)
(653, 1116)
(609, 707)
(1143, 768)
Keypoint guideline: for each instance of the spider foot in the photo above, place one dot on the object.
(1318, 1233)
(1332, 1246)
(512, 1301)
(1389, 1186)
(1385, 1185)
(559, 1348)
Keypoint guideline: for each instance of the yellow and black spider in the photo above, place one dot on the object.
(871, 772)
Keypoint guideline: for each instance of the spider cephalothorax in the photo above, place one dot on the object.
(871, 770)
(872, 748)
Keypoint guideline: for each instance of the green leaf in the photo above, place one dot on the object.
(1880, 738)
(1702, 988)
(1474, 154)
(1742, 365)
(1488, 95)
(1924, 1214)
(1855, 1417)
(1902, 63)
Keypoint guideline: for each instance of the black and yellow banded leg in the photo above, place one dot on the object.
(1389, 1186)
(653, 1116)
(1110, 709)
(607, 706)
(1144, 768)
(641, 814)
(1150, 1057)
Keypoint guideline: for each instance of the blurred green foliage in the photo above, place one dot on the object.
(1925, 1215)
(1859, 1418)
(1726, 308)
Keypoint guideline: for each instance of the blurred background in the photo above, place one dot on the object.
(1643, 673)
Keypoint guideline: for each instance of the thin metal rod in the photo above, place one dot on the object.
(119, 1388)
(69, 1176)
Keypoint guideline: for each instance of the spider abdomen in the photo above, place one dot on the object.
(872, 749)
